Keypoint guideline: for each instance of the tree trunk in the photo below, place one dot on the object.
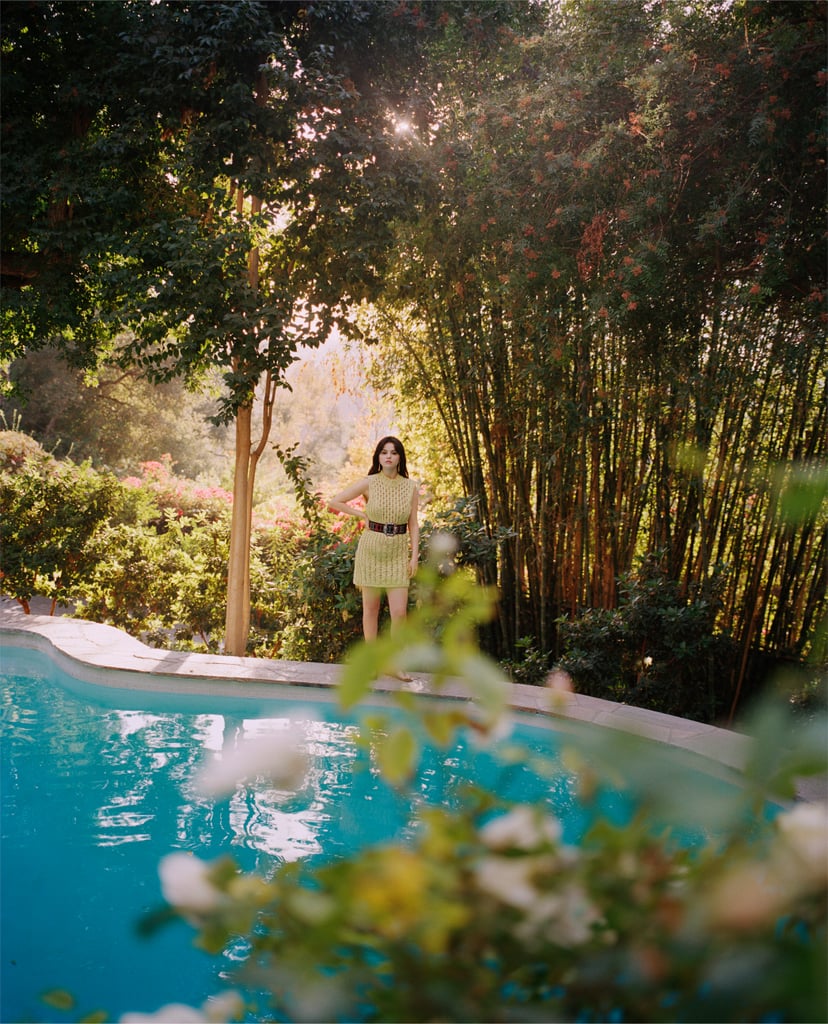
(237, 622)
(237, 619)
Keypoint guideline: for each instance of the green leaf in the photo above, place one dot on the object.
(397, 755)
(804, 494)
(488, 684)
(59, 998)
(442, 725)
(358, 672)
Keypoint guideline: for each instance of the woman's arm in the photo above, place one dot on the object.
(414, 530)
(340, 502)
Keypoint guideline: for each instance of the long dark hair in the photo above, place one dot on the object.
(402, 469)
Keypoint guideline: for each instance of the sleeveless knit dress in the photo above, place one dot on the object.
(382, 560)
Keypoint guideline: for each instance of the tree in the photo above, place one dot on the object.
(219, 178)
(114, 417)
(622, 241)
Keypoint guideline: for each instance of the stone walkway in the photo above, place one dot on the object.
(107, 656)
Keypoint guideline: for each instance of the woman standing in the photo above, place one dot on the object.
(388, 549)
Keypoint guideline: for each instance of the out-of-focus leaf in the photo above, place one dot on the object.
(397, 755)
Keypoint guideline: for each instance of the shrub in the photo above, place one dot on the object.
(52, 514)
(658, 649)
(475, 548)
(319, 608)
(531, 666)
(176, 497)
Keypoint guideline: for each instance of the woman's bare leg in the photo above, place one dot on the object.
(371, 599)
(398, 604)
(398, 607)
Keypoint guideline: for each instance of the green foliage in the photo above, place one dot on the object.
(115, 418)
(164, 583)
(473, 545)
(318, 609)
(315, 610)
(530, 665)
(53, 514)
(161, 564)
(621, 241)
(133, 179)
(484, 913)
(658, 649)
(803, 492)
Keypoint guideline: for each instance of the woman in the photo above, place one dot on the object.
(387, 553)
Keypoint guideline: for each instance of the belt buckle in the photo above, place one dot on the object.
(388, 529)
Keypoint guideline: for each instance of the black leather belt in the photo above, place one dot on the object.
(389, 529)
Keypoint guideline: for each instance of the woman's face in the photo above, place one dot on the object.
(389, 457)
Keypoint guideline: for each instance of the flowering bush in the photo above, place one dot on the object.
(487, 914)
(319, 609)
(501, 921)
(178, 497)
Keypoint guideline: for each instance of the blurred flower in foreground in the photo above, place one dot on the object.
(218, 1009)
(560, 687)
(442, 547)
(564, 917)
(277, 758)
(754, 893)
(172, 1013)
(804, 831)
(186, 885)
(524, 827)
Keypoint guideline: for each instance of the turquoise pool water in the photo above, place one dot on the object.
(97, 787)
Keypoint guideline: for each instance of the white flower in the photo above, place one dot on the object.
(442, 547)
(223, 1007)
(277, 758)
(218, 1009)
(522, 828)
(186, 885)
(510, 879)
(569, 922)
(749, 895)
(443, 544)
(804, 830)
(565, 917)
(172, 1013)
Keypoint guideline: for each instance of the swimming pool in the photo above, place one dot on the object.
(98, 785)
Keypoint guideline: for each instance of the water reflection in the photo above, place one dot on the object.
(145, 780)
(93, 796)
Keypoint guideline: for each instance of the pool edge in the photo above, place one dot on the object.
(92, 652)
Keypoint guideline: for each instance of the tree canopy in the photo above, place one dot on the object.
(582, 232)
(221, 182)
(622, 242)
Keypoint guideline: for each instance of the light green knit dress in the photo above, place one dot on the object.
(382, 560)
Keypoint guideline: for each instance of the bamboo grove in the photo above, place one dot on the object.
(614, 297)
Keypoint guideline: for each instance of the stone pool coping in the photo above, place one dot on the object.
(91, 651)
